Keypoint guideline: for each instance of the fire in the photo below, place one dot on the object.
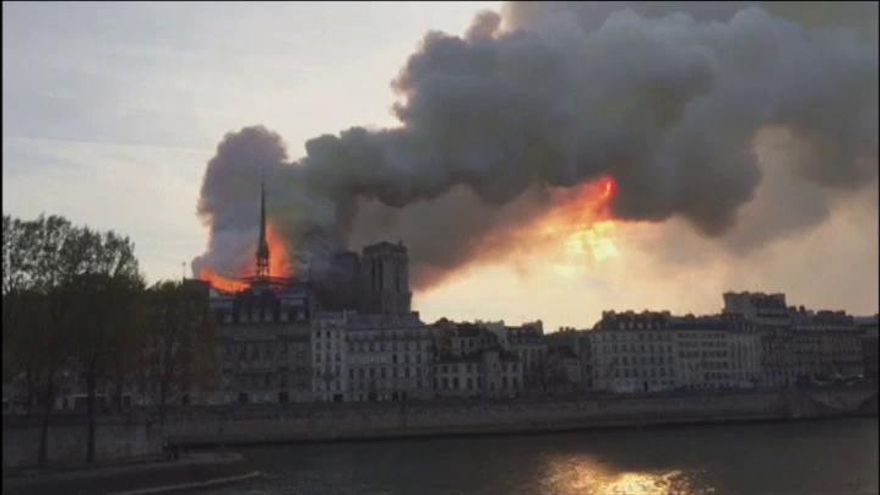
(585, 205)
(584, 224)
(279, 265)
(279, 259)
(578, 230)
(222, 283)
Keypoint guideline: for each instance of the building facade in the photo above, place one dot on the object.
(263, 345)
(634, 352)
(768, 316)
(387, 357)
(472, 363)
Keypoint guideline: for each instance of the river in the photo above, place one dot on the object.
(830, 457)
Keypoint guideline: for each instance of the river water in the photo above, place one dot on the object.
(832, 457)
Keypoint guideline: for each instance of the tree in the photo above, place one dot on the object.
(37, 259)
(63, 288)
(18, 300)
(180, 339)
(104, 298)
(104, 306)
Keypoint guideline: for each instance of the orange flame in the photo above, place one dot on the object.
(579, 228)
(585, 223)
(585, 205)
(279, 265)
(279, 259)
(222, 283)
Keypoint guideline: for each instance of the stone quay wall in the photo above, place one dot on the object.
(368, 421)
(240, 425)
(115, 439)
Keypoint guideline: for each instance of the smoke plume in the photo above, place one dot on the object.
(498, 124)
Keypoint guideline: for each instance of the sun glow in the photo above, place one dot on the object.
(596, 241)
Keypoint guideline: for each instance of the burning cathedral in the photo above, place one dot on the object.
(267, 324)
(375, 282)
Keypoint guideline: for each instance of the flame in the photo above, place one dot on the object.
(576, 231)
(584, 205)
(584, 226)
(222, 283)
(279, 265)
(584, 222)
(279, 259)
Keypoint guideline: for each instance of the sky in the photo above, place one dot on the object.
(112, 111)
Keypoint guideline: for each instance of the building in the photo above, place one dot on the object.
(569, 360)
(868, 327)
(713, 353)
(634, 352)
(263, 344)
(471, 363)
(329, 367)
(768, 316)
(262, 335)
(385, 279)
(387, 357)
(527, 343)
(799, 346)
(826, 345)
(655, 351)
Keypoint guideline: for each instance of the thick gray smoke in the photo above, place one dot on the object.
(667, 99)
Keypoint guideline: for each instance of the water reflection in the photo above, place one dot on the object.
(586, 475)
(802, 458)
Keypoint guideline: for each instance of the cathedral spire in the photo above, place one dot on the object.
(262, 244)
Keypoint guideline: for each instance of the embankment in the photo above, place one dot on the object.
(370, 421)
(117, 439)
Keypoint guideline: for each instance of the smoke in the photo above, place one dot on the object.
(495, 125)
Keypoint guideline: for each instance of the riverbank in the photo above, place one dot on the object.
(127, 438)
(381, 421)
(146, 476)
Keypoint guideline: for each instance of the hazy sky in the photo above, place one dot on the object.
(111, 112)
